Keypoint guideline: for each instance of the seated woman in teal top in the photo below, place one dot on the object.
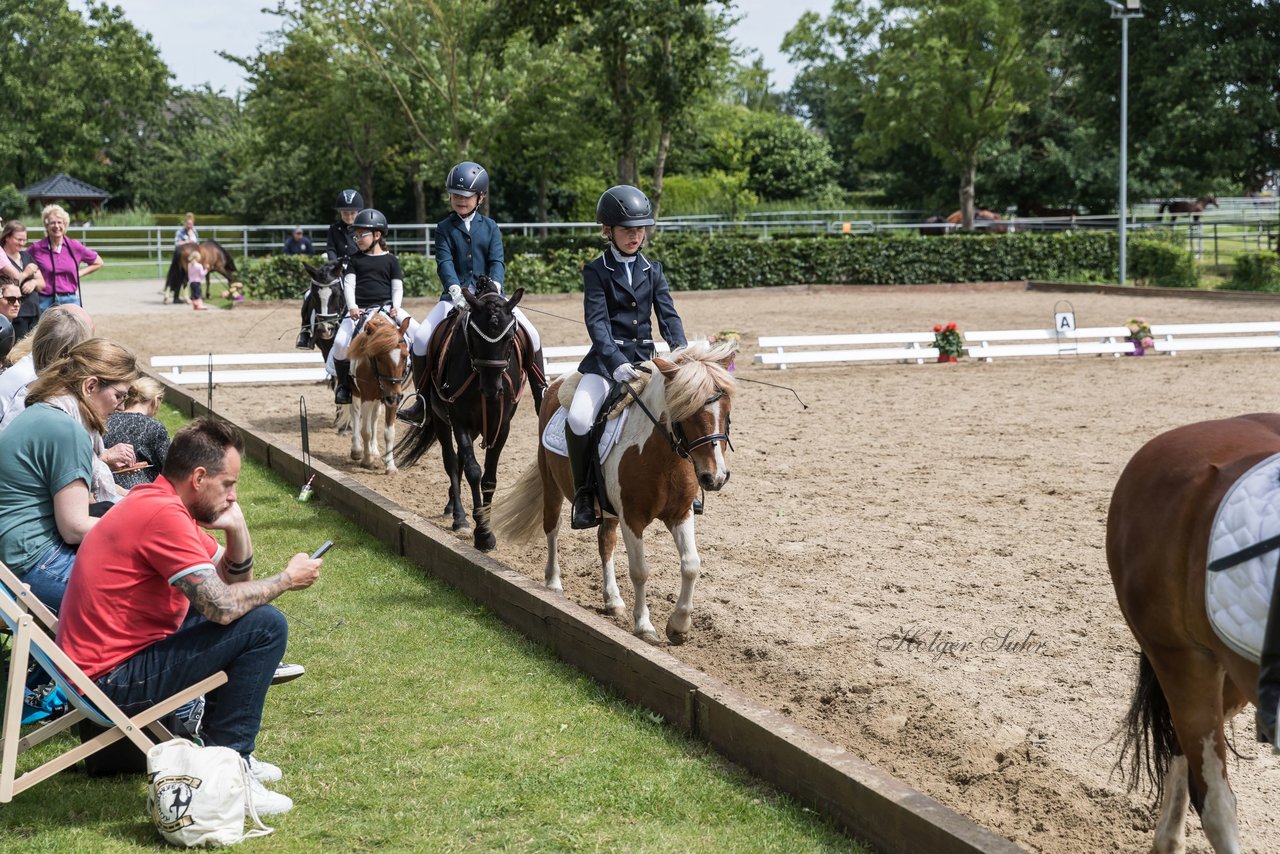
(47, 464)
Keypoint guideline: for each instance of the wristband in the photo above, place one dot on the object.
(240, 567)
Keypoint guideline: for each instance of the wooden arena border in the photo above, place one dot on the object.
(868, 803)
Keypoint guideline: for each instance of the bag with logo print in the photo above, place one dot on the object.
(199, 796)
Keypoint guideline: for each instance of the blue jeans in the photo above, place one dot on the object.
(248, 649)
(48, 302)
(48, 578)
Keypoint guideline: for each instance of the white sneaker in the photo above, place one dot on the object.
(265, 801)
(287, 673)
(264, 771)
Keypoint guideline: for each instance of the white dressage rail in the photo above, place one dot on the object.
(908, 348)
(198, 368)
(1087, 341)
(1257, 335)
(573, 354)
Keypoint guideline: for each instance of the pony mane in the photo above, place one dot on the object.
(699, 375)
(378, 337)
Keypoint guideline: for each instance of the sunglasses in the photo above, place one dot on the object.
(12, 300)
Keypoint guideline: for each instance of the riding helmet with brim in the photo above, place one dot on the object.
(349, 200)
(467, 179)
(7, 337)
(624, 205)
(370, 219)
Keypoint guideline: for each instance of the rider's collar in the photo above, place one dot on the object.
(622, 257)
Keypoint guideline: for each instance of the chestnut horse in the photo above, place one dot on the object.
(980, 218)
(1189, 682)
(652, 472)
(379, 373)
(1194, 208)
(478, 357)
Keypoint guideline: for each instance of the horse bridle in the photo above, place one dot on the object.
(382, 379)
(501, 337)
(675, 437)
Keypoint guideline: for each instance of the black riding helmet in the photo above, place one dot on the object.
(371, 219)
(467, 179)
(349, 200)
(624, 205)
(7, 337)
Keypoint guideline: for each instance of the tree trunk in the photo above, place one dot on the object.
(660, 165)
(966, 195)
(366, 183)
(419, 194)
(542, 204)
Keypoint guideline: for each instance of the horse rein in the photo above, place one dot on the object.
(675, 437)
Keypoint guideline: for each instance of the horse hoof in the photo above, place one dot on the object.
(461, 526)
(615, 609)
(677, 638)
(356, 456)
(390, 470)
(486, 543)
(650, 636)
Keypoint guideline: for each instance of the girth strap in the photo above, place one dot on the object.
(1248, 553)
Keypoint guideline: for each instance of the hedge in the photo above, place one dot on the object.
(713, 262)
(1257, 272)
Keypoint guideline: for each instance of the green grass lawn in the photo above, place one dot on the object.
(425, 724)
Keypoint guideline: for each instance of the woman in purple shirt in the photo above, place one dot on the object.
(59, 259)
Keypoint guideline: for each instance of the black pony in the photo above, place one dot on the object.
(477, 357)
(324, 297)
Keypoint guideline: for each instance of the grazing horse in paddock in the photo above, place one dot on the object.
(379, 358)
(216, 260)
(478, 358)
(653, 471)
(1189, 681)
(982, 216)
(324, 297)
(1194, 208)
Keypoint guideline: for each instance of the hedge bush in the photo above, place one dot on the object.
(1257, 272)
(714, 262)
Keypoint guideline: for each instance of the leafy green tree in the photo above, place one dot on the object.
(788, 161)
(75, 92)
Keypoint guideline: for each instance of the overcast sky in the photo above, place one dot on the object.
(189, 34)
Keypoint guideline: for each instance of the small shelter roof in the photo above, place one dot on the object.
(63, 186)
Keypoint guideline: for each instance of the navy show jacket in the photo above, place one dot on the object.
(619, 315)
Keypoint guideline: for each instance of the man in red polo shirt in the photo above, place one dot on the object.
(128, 618)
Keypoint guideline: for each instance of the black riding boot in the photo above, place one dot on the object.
(583, 514)
(416, 412)
(537, 377)
(304, 341)
(1269, 672)
(342, 391)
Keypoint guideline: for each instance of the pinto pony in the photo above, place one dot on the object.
(478, 358)
(379, 372)
(652, 472)
(324, 297)
(1189, 682)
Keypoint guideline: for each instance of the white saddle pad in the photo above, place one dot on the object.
(553, 436)
(1237, 599)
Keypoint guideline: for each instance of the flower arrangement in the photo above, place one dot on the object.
(947, 340)
(1140, 335)
(235, 292)
(723, 336)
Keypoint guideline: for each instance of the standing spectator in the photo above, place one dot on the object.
(298, 243)
(186, 233)
(10, 305)
(184, 239)
(59, 258)
(195, 278)
(137, 425)
(17, 265)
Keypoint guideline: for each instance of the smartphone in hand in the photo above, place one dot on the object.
(319, 553)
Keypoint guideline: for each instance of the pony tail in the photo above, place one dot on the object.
(516, 515)
(1149, 742)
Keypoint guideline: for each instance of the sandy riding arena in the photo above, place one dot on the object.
(913, 565)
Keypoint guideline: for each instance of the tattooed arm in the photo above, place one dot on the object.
(236, 565)
(223, 603)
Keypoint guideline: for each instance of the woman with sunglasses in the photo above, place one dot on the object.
(51, 475)
(17, 265)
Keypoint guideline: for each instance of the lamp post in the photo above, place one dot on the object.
(1124, 11)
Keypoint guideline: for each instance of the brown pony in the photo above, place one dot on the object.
(216, 259)
(652, 472)
(379, 371)
(982, 216)
(1194, 208)
(1189, 682)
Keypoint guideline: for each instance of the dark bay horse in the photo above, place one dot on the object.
(380, 373)
(216, 260)
(324, 297)
(1184, 207)
(652, 472)
(1189, 682)
(478, 359)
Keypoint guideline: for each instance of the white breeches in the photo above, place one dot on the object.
(587, 400)
(342, 338)
(422, 337)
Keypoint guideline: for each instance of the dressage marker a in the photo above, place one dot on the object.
(868, 803)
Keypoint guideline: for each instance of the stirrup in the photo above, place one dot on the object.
(414, 418)
(583, 513)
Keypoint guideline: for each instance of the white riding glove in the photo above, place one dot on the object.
(624, 373)
(455, 294)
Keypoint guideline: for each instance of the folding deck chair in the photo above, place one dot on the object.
(19, 612)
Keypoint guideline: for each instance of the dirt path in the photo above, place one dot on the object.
(961, 506)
